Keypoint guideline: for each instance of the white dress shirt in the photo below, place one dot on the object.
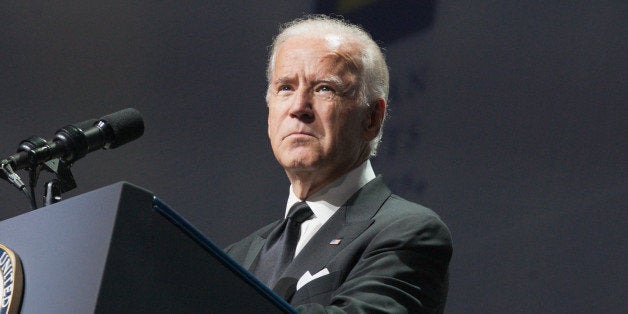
(326, 202)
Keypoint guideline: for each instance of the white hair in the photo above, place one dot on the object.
(374, 75)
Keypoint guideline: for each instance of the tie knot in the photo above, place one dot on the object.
(300, 212)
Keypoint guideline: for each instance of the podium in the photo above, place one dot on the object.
(119, 249)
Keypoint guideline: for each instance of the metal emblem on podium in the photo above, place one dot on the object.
(11, 281)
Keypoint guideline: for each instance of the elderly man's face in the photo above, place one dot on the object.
(314, 122)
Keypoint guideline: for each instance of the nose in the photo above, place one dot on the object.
(301, 107)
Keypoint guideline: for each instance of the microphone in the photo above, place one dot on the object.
(74, 141)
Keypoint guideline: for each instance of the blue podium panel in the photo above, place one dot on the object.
(118, 249)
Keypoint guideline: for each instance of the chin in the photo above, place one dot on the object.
(300, 163)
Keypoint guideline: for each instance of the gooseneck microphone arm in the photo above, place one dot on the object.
(8, 174)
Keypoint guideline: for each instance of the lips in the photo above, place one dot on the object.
(299, 133)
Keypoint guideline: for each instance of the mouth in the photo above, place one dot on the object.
(298, 134)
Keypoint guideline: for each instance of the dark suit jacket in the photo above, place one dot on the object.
(393, 257)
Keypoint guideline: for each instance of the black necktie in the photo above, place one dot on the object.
(279, 249)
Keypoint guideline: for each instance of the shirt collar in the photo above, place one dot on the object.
(326, 202)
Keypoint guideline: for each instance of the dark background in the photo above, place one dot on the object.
(508, 119)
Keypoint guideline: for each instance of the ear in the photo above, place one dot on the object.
(374, 119)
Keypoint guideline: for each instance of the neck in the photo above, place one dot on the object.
(306, 183)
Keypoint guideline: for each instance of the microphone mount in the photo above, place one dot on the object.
(62, 183)
(69, 144)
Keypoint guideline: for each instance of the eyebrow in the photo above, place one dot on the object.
(343, 88)
(283, 80)
(332, 80)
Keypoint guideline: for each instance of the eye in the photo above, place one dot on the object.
(325, 89)
(284, 88)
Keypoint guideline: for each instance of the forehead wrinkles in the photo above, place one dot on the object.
(335, 68)
(326, 62)
(339, 63)
(342, 69)
(349, 58)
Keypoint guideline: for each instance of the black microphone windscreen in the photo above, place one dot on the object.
(126, 125)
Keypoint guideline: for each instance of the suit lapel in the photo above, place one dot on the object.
(317, 252)
(346, 224)
(256, 245)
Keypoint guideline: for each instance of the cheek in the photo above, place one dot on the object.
(273, 122)
(349, 128)
(346, 119)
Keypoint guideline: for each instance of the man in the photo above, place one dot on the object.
(359, 248)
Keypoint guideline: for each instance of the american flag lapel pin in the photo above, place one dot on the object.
(335, 241)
